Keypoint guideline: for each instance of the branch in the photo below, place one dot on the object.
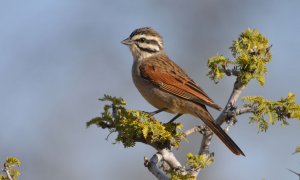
(298, 174)
(204, 147)
(6, 170)
(169, 163)
(9, 168)
(231, 72)
(152, 166)
(232, 114)
(237, 90)
(235, 94)
(244, 111)
(195, 129)
(207, 136)
(169, 157)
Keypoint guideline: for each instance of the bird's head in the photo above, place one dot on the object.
(144, 42)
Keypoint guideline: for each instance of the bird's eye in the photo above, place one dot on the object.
(142, 40)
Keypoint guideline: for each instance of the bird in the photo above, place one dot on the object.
(167, 86)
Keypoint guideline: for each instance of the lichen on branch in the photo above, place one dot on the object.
(199, 161)
(216, 66)
(136, 126)
(194, 163)
(11, 173)
(277, 111)
(251, 52)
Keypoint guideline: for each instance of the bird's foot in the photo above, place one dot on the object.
(155, 112)
(174, 118)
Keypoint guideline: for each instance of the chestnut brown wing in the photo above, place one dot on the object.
(171, 78)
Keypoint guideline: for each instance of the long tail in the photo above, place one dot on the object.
(205, 116)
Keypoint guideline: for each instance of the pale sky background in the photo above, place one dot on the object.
(58, 57)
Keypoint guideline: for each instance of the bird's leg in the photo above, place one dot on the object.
(156, 112)
(174, 118)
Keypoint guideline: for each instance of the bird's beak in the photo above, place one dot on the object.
(127, 41)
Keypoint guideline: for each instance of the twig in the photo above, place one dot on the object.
(204, 148)
(8, 174)
(232, 113)
(298, 174)
(244, 110)
(105, 125)
(6, 170)
(195, 129)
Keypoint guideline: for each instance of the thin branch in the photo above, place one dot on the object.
(244, 110)
(8, 174)
(298, 174)
(194, 129)
(204, 148)
(232, 114)
(107, 125)
(6, 170)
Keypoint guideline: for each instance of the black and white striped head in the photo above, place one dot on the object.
(144, 42)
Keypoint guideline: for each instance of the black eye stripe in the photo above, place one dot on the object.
(144, 40)
(147, 49)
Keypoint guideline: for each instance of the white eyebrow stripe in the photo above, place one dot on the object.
(149, 46)
(153, 38)
(139, 36)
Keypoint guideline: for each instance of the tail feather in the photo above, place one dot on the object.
(205, 116)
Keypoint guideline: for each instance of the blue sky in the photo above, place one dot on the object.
(58, 57)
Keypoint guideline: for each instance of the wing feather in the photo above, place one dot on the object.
(171, 78)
